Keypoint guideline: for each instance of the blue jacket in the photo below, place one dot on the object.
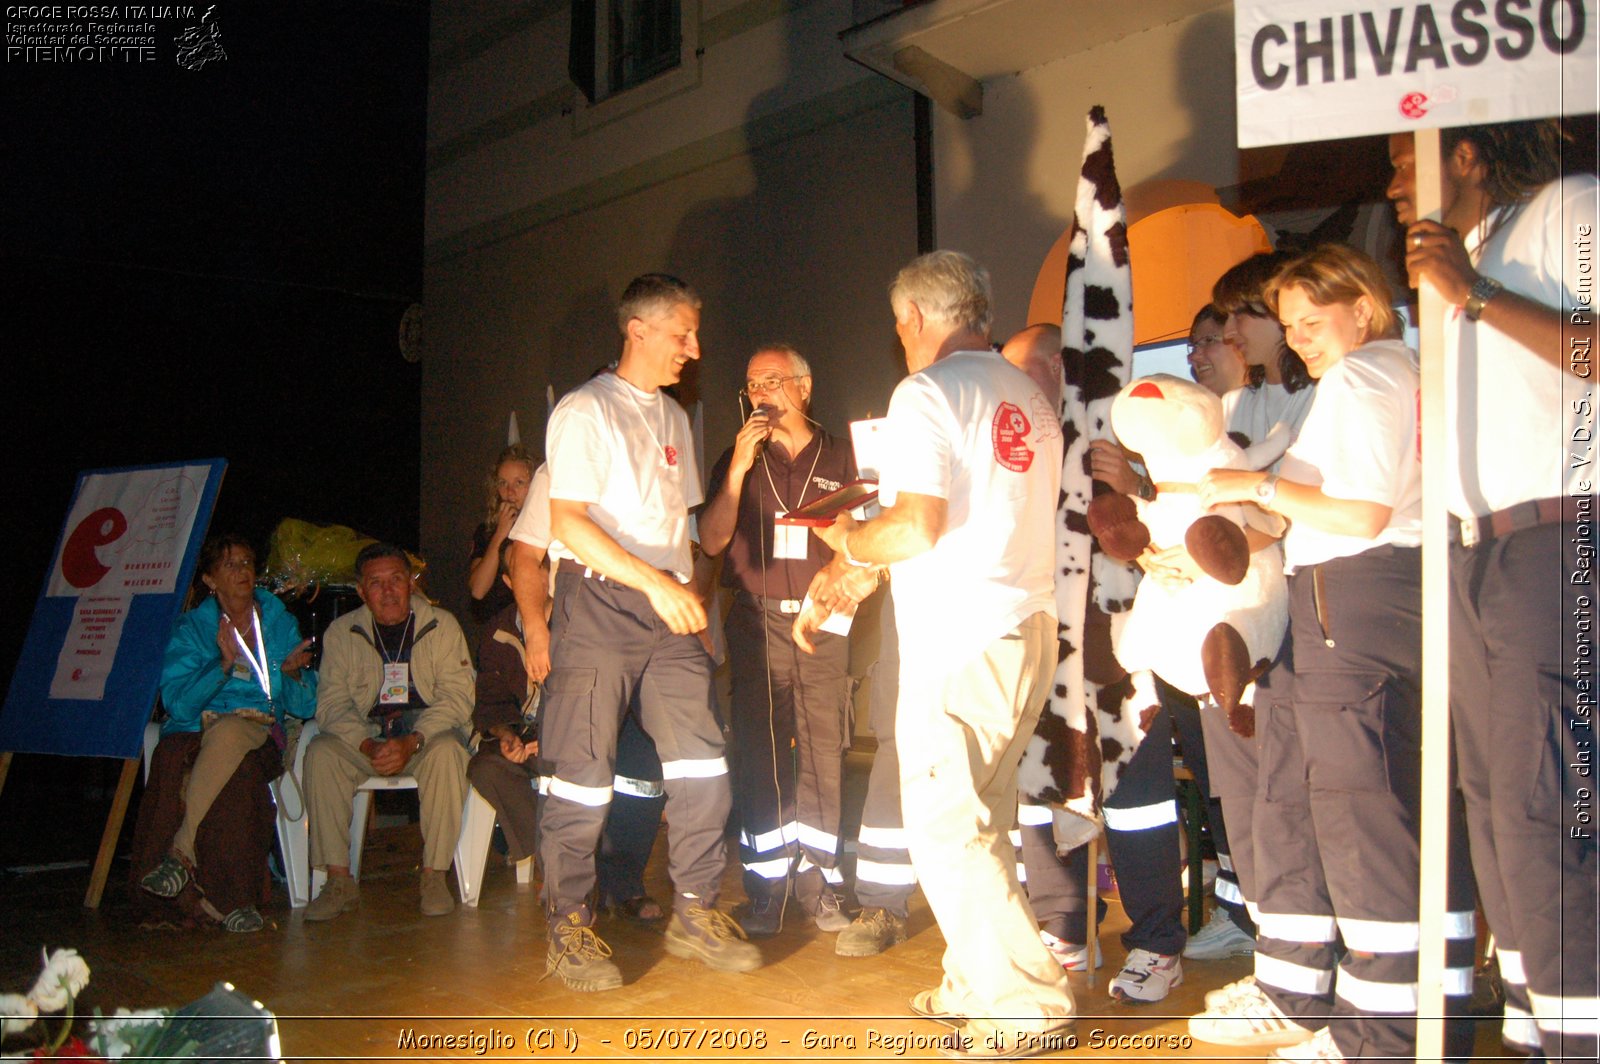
(192, 679)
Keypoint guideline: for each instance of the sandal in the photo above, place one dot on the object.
(641, 910)
(244, 920)
(167, 879)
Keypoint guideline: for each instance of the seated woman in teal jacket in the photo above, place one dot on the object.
(235, 670)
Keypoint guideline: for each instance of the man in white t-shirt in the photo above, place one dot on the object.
(971, 483)
(622, 479)
(1514, 259)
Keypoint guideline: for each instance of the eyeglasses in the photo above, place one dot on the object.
(1204, 341)
(768, 384)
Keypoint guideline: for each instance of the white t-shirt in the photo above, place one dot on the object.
(628, 454)
(1255, 412)
(532, 525)
(975, 431)
(1515, 419)
(1360, 442)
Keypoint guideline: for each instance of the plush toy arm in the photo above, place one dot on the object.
(1114, 522)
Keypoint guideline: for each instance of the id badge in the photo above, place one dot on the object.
(789, 542)
(396, 684)
(241, 671)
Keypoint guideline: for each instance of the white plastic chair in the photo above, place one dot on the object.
(294, 831)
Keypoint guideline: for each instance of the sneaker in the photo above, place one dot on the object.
(1071, 956)
(709, 936)
(1146, 977)
(1319, 1046)
(829, 916)
(167, 879)
(870, 933)
(1216, 998)
(1247, 1018)
(243, 920)
(338, 896)
(1219, 938)
(436, 899)
(579, 957)
(761, 917)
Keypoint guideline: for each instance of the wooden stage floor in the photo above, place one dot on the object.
(386, 983)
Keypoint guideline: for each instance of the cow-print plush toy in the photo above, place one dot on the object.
(1217, 632)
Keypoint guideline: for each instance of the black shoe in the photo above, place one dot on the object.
(761, 917)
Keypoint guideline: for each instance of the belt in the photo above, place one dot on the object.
(569, 565)
(788, 605)
(1471, 531)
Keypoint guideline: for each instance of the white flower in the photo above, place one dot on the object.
(65, 975)
(116, 1037)
(17, 1013)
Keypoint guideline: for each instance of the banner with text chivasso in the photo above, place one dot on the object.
(91, 662)
(1324, 69)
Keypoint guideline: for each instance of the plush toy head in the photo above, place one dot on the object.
(1162, 415)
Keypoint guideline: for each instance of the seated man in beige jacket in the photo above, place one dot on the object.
(395, 697)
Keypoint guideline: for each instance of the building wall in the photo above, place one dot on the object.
(1004, 182)
(771, 173)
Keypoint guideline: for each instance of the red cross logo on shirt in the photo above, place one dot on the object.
(672, 454)
(1010, 431)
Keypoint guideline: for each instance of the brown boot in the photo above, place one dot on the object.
(873, 931)
(579, 957)
(338, 896)
(436, 899)
(701, 933)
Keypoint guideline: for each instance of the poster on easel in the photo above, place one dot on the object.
(91, 663)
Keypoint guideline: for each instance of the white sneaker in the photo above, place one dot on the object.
(1319, 1047)
(1247, 1018)
(1073, 957)
(1146, 977)
(1219, 938)
(1216, 998)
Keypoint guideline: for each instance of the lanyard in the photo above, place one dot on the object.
(258, 665)
(401, 649)
(804, 484)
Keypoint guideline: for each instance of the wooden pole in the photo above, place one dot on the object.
(108, 840)
(1437, 447)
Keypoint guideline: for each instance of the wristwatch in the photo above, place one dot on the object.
(1478, 296)
(1266, 491)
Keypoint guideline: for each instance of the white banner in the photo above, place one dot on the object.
(127, 532)
(90, 648)
(1324, 69)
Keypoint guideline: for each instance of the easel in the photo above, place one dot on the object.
(50, 709)
(113, 829)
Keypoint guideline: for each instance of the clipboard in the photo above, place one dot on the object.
(820, 513)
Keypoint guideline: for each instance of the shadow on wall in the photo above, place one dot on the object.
(582, 341)
(804, 257)
(997, 187)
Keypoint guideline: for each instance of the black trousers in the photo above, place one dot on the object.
(1524, 731)
(1141, 836)
(1337, 813)
(608, 647)
(884, 878)
(790, 730)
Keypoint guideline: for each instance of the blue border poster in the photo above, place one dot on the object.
(122, 566)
